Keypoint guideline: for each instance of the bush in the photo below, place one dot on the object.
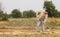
(5, 17)
(16, 13)
(29, 13)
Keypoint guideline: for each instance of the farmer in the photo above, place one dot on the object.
(42, 17)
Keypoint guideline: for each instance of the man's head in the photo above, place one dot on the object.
(46, 11)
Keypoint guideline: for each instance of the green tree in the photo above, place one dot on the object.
(25, 14)
(5, 17)
(29, 13)
(58, 14)
(1, 14)
(16, 13)
(52, 12)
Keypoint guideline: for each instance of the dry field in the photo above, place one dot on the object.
(25, 27)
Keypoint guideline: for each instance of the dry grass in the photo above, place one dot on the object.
(25, 27)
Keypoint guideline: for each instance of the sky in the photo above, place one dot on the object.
(22, 5)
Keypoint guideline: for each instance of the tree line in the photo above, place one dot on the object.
(52, 12)
(17, 14)
(25, 14)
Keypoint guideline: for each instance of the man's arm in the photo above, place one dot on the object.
(39, 15)
(45, 18)
(36, 14)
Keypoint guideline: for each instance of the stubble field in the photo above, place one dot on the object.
(25, 27)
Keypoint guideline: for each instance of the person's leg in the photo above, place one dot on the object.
(36, 28)
(42, 26)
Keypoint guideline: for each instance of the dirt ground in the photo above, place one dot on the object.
(26, 28)
(28, 33)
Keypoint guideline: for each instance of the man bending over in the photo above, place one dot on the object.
(42, 17)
